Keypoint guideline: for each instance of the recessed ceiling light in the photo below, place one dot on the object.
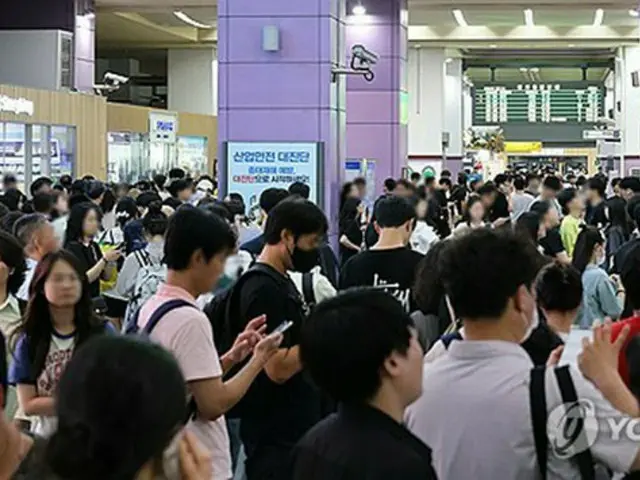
(571, 45)
(459, 16)
(634, 13)
(598, 17)
(528, 17)
(359, 10)
(493, 45)
(190, 21)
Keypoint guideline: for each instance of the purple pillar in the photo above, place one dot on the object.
(377, 115)
(286, 95)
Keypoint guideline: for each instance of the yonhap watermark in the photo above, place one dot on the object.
(574, 427)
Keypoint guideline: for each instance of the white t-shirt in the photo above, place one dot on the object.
(23, 291)
(187, 334)
(60, 352)
(474, 413)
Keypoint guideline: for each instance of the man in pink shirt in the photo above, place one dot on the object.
(197, 245)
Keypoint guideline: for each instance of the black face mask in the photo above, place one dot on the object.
(304, 260)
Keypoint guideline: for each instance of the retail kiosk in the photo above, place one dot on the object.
(51, 133)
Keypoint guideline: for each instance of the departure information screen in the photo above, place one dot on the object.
(537, 103)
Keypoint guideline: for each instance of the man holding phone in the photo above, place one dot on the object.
(281, 404)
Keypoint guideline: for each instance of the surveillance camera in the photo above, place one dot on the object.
(359, 52)
(115, 79)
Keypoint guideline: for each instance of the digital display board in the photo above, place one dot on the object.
(496, 104)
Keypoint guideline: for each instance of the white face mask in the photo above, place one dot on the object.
(535, 321)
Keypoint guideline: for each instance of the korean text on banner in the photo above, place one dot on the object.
(254, 167)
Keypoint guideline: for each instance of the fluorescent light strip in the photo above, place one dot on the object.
(190, 21)
(528, 18)
(598, 17)
(459, 16)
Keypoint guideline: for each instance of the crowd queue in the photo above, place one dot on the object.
(453, 329)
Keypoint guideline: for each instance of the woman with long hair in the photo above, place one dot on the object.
(473, 216)
(530, 226)
(349, 190)
(82, 228)
(58, 319)
(603, 296)
(618, 230)
(350, 231)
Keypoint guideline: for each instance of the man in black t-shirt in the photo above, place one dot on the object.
(389, 265)
(552, 242)
(281, 404)
(596, 214)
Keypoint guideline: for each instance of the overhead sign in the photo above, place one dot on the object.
(568, 102)
(601, 135)
(523, 147)
(163, 127)
(254, 167)
(19, 106)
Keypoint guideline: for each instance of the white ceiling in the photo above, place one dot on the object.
(118, 21)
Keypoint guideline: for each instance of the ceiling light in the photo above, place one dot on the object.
(571, 45)
(448, 60)
(598, 17)
(459, 16)
(493, 45)
(359, 10)
(528, 18)
(190, 21)
(634, 13)
(523, 69)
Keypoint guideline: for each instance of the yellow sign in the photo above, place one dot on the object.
(522, 147)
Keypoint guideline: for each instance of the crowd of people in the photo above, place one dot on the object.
(152, 331)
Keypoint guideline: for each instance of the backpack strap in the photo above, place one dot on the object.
(584, 459)
(161, 311)
(307, 288)
(447, 339)
(538, 406)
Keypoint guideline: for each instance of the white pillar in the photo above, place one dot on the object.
(193, 81)
(453, 106)
(426, 101)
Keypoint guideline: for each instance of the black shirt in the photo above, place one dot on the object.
(351, 229)
(88, 256)
(273, 415)
(500, 208)
(395, 268)
(361, 443)
(552, 243)
(596, 216)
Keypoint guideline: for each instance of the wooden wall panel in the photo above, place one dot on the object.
(88, 113)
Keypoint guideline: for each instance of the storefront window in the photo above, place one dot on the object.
(62, 148)
(192, 155)
(12, 151)
(127, 157)
(30, 151)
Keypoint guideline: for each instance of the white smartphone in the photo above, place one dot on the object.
(283, 327)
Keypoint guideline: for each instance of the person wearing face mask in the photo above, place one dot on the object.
(390, 264)
(282, 404)
(488, 381)
(603, 295)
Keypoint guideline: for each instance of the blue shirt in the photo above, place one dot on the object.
(599, 299)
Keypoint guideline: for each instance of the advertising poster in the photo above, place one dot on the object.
(254, 167)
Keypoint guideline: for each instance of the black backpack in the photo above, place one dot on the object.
(222, 310)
